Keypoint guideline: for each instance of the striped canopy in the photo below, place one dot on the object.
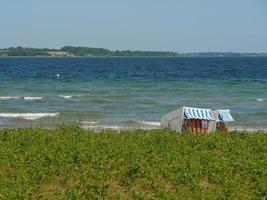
(197, 113)
(225, 116)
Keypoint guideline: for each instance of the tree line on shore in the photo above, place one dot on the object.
(78, 51)
(91, 51)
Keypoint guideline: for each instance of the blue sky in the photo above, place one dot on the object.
(175, 25)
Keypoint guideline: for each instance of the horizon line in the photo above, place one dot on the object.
(78, 46)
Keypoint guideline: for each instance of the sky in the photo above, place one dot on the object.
(172, 25)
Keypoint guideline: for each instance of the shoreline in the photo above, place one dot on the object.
(112, 127)
(188, 56)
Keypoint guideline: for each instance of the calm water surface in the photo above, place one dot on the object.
(129, 92)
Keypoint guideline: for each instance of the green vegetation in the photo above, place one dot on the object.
(19, 51)
(86, 51)
(79, 51)
(3, 54)
(89, 51)
(72, 163)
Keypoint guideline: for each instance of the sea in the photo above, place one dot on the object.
(129, 92)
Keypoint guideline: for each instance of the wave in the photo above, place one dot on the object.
(28, 116)
(149, 123)
(103, 127)
(115, 127)
(32, 98)
(90, 122)
(126, 125)
(260, 100)
(8, 97)
(65, 96)
(69, 96)
(97, 125)
(25, 98)
(250, 130)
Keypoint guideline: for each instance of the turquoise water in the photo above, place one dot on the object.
(129, 92)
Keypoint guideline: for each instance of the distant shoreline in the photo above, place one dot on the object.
(243, 56)
(91, 52)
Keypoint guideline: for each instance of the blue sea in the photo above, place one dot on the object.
(125, 93)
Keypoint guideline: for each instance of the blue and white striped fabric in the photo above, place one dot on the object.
(225, 116)
(197, 113)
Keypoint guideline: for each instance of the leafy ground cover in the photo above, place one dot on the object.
(72, 163)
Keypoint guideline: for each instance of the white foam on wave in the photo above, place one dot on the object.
(102, 127)
(115, 127)
(260, 100)
(8, 97)
(32, 98)
(28, 116)
(149, 123)
(25, 98)
(66, 96)
(90, 122)
(97, 125)
(250, 130)
(69, 96)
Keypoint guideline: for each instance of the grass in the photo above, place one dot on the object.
(72, 163)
